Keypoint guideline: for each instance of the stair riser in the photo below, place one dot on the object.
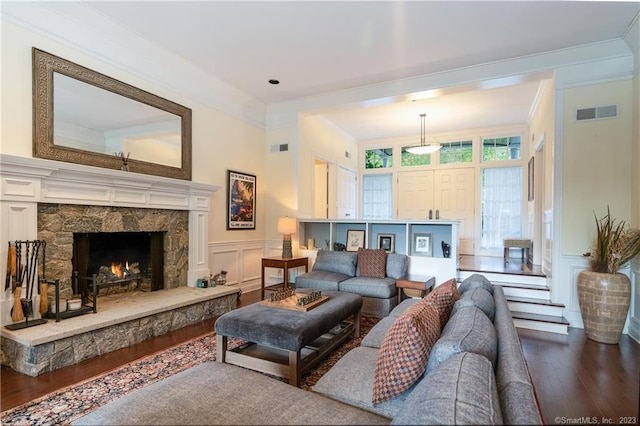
(505, 278)
(541, 326)
(535, 309)
(526, 292)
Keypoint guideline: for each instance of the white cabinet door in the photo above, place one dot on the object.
(455, 199)
(346, 193)
(415, 194)
(321, 193)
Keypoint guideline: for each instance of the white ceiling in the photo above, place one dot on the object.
(318, 47)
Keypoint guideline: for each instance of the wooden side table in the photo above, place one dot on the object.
(286, 264)
(422, 283)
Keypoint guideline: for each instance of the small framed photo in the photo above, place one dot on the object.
(355, 239)
(422, 245)
(241, 200)
(387, 242)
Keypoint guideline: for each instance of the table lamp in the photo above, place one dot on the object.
(287, 226)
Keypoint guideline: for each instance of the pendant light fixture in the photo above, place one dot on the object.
(423, 148)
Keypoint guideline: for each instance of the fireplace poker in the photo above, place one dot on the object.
(11, 267)
(44, 287)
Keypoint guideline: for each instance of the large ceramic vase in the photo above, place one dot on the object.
(604, 304)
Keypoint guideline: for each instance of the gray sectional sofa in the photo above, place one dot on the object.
(340, 271)
(476, 374)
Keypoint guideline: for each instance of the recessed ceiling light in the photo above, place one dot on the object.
(274, 81)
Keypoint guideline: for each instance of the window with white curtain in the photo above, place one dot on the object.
(501, 205)
(377, 196)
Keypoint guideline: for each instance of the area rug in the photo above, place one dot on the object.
(65, 405)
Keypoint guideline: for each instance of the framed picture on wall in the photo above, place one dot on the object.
(422, 245)
(355, 239)
(387, 242)
(241, 200)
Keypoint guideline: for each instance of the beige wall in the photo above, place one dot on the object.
(635, 184)
(220, 142)
(596, 162)
(543, 124)
(319, 138)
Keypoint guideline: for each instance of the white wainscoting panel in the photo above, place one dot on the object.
(241, 259)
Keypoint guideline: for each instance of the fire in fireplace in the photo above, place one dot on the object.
(120, 257)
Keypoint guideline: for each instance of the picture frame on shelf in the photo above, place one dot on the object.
(387, 242)
(355, 239)
(241, 200)
(422, 244)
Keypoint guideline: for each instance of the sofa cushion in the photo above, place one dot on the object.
(321, 280)
(403, 306)
(468, 330)
(375, 336)
(477, 297)
(462, 390)
(397, 265)
(443, 296)
(350, 380)
(473, 281)
(372, 263)
(380, 288)
(343, 262)
(405, 350)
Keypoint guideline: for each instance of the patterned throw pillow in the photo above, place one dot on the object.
(372, 263)
(404, 353)
(444, 297)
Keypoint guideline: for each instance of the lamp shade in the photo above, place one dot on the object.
(287, 225)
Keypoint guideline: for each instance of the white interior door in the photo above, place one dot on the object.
(346, 193)
(415, 194)
(454, 197)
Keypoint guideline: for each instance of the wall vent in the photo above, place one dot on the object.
(280, 147)
(597, 113)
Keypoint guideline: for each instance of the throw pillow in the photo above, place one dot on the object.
(444, 297)
(372, 262)
(404, 353)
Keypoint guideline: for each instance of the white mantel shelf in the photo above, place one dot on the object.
(33, 179)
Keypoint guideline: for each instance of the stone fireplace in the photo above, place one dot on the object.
(74, 233)
(77, 209)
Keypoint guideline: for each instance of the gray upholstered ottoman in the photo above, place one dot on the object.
(284, 342)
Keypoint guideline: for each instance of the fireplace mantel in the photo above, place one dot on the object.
(26, 181)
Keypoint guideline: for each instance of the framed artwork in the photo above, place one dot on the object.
(387, 242)
(355, 239)
(530, 176)
(422, 245)
(241, 200)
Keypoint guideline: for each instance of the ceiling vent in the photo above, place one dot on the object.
(597, 113)
(280, 147)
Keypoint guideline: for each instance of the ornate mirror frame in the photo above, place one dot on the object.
(44, 67)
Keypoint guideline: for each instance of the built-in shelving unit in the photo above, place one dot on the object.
(326, 232)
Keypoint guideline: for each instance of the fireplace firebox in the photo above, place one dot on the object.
(118, 259)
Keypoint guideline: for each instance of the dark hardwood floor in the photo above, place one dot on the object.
(574, 377)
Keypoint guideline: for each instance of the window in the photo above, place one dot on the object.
(456, 152)
(501, 149)
(501, 201)
(379, 158)
(408, 159)
(377, 196)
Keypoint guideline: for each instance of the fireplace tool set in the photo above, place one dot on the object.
(26, 271)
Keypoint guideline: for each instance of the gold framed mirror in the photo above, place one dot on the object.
(85, 117)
